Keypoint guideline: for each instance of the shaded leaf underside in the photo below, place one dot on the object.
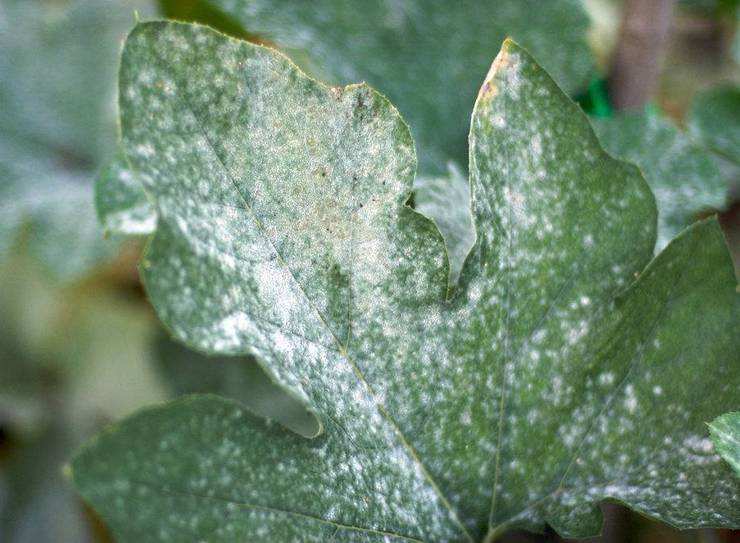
(549, 382)
(235, 377)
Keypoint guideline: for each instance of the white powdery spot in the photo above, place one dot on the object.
(144, 150)
(230, 328)
(630, 400)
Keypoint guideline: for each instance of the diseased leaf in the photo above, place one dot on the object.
(121, 203)
(446, 200)
(413, 53)
(57, 124)
(681, 173)
(426, 56)
(552, 380)
(725, 432)
(715, 118)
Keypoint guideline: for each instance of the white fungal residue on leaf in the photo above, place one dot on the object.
(519, 401)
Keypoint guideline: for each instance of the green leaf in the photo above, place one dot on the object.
(715, 119)
(57, 124)
(399, 51)
(725, 432)
(36, 503)
(121, 203)
(681, 173)
(549, 382)
(427, 57)
(55, 207)
(200, 11)
(736, 41)
(446, 200)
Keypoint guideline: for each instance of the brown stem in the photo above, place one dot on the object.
(642, 39)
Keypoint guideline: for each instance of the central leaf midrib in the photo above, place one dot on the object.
(510, 359)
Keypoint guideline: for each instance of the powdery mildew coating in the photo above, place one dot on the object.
(546, 384)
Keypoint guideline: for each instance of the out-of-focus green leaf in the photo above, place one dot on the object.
(71, 357)
(236, 377)
(26, 304)
(714, 7)
(54, 206)
(684, 178)
(36, 503)
(725, 431)
(201, 11)
(57, 124)
(715, 120)
(736, 41)
(88, 345)
(551, 381)
(426, 56)
(121, 203)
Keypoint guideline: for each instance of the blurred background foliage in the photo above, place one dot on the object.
(79, 344)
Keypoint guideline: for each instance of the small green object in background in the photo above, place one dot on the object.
(595, 101)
